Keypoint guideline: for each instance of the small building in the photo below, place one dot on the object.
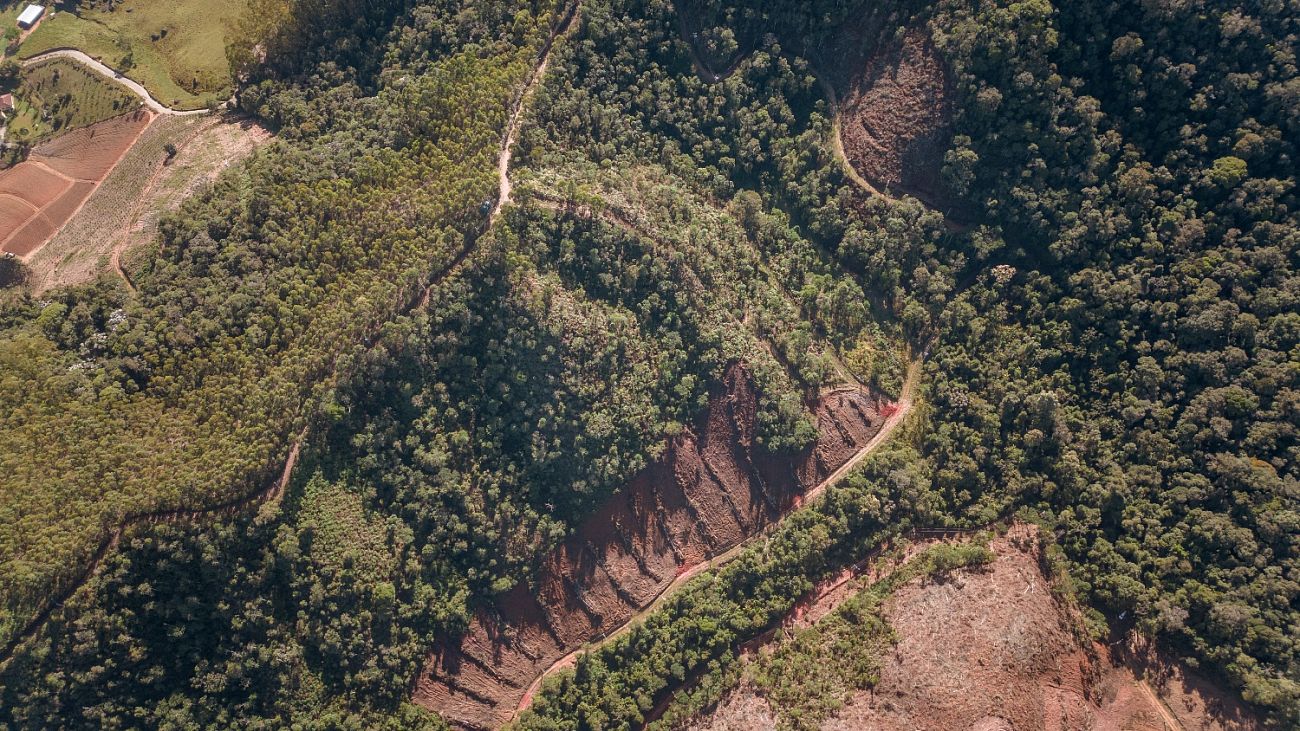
(30, 15)
(6, 104)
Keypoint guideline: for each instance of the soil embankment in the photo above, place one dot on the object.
(713, 489)
(896, 118)
(993, 649)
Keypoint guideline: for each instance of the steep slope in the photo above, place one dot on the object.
(714, 488)
(988, 649)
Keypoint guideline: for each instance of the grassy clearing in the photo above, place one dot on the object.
(59, 96)
(176, 50)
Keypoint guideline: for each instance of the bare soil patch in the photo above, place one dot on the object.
(714, 488)
(996, 650)
(896, 116)
(89, 153)
(34, 184)
(60, 175)
(14, 212)
(124, 211)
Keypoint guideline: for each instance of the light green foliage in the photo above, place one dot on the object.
(59, 96)
(175, 49)
(1110, 342)
(170, 405)
(341, 535)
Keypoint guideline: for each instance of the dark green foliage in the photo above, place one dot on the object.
(1112, 342)
(262, 289)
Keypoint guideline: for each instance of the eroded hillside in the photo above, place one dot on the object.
(714, 488)
(987, 648)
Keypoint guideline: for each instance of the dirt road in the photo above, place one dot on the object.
(269, 495)
(111, 74)
(517, 114)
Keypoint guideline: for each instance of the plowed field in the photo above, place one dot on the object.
(57, 178)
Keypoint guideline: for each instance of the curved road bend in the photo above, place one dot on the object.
(113, 75)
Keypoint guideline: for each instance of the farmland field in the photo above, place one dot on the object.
(58, 96)
(177, 50)
(123, 213)
(59, 176)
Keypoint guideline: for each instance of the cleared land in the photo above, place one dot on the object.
(60, 175)
(895, 118)
(177, 49)
(124, 212)
(989, 649)
(714, 489)
(58, 96)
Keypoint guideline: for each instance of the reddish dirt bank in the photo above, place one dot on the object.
(896, 116)
(714, 488)
(995, 650)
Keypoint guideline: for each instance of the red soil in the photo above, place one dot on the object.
(713, 489)
(31, 236)
(896, 116)
(994, 650)
(59, 176)
(90, 152)
(32, 183)
(14, 212)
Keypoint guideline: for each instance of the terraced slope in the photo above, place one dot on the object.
(714, 488)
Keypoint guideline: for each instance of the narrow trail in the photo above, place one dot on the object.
(1169, 719)
(113, 75)
(504, 186)
(702, 67)
(904, 407)
(271, 494)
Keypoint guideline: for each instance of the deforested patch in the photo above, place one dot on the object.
(714, 488)
(896, 117)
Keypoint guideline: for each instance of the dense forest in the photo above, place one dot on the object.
(188, 395)
(1106, 303)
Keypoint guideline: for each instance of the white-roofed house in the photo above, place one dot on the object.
(30, 15)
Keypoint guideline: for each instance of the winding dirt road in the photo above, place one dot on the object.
(114, 75)
(270, 495)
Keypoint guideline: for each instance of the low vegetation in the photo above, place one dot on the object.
(83, 245)
(176, 50)
(174, 156)
(809, 676)
(57, 96)
(1110, 343)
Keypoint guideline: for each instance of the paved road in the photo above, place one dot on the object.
(109, 73)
